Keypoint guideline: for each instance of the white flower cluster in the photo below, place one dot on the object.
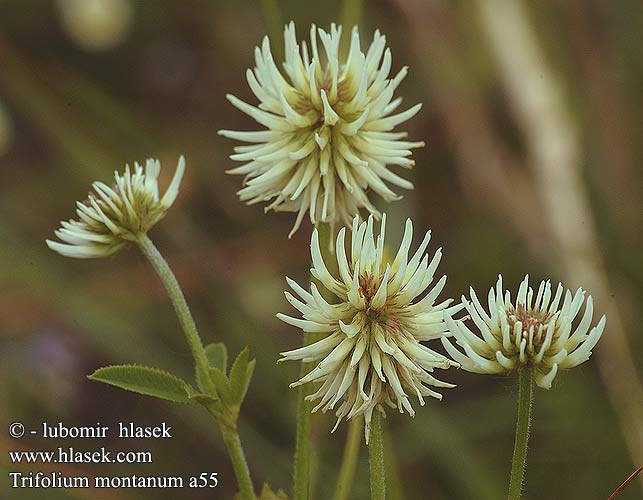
(372, 352)
(537, 332)
(113, 216)
(329, 137)
(328, 142)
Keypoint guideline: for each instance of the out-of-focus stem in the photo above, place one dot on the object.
(447, 67)
(275, 25)
(552, 140)
(351, 14)
(523, 424)
(349, 460)
(624, 484)
(31, 96)
(350, 17)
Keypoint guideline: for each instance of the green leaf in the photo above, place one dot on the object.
(217, 356)
(200, 382)
(222, 385)
(249, 372)
(200, 396)
(213, 405)
(204, 399)
(240, 375)
(145, 380)
(268, 494)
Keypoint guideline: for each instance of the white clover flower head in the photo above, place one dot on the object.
(535, 333)
(372, 352)
(111, 217)
(329, 137)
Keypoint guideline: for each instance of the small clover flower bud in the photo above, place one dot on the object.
(536, 332)
(113, 216)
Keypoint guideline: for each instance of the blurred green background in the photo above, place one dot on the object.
(532, 118)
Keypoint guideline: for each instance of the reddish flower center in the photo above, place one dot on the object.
(530, 318)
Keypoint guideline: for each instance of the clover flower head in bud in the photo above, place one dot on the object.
(372, 353)
(537, 332)
(329, 135)
(113, 216)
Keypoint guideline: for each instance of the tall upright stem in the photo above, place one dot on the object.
(239, 464)
(523, 424)
(349, 460)
(303, 446)
(228, 430)
(376, 458)
(303, 450)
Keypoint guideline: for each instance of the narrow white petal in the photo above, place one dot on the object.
(173, 189)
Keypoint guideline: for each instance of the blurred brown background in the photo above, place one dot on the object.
(532, 118)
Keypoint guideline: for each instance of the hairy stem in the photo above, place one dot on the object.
(228, 430)
(182, 311)
(303, 446)
(349, 461)
(239, 464)
(376, 458)
(523, 424)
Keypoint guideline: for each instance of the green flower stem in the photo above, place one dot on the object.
(275, 25)
(227, 427)
(303, 446)
(351, 14)
(349, 461)
(376, 458)
(182, 311)
(525, 403)
(239, 464)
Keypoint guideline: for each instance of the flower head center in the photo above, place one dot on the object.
(383, 315)
(530, 319)
(135, 215)
(368, 286)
